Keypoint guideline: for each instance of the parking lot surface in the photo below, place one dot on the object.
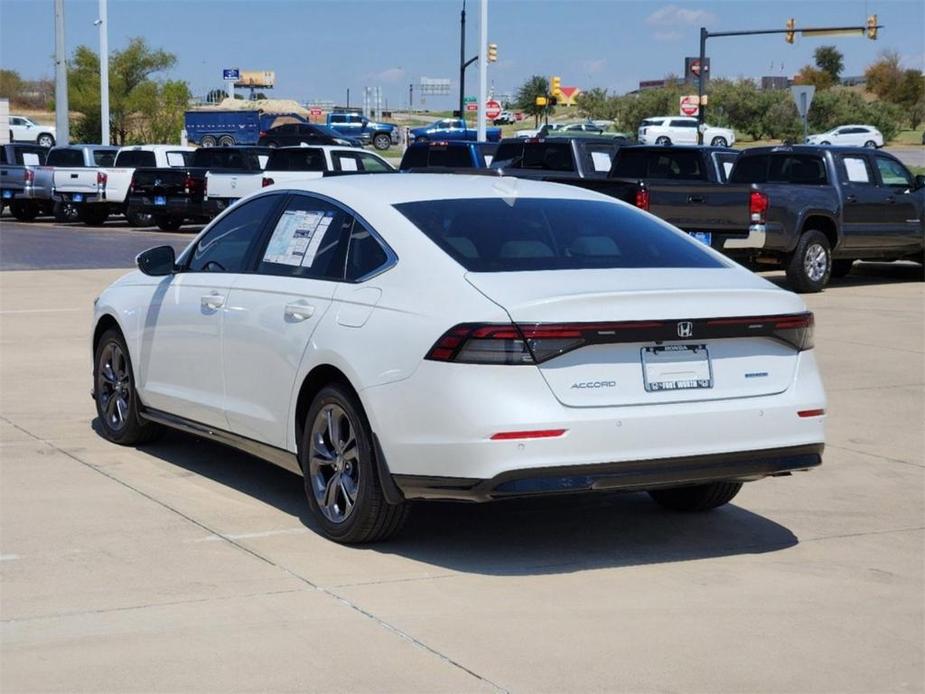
(183, 565)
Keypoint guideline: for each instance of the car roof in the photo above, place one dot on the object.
(808, 149)
(157, 148)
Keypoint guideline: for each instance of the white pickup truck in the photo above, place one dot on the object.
(100, 191)
(288, 164)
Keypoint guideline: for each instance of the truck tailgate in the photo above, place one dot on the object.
(711, 207)
(76, 180)
(117, 184)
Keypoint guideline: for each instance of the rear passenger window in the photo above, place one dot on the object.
(857, 169)
(309, 239)
(798, 169)
(365, 254)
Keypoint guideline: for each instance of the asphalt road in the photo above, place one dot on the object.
(910, 155)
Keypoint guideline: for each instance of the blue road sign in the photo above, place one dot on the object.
(232, 74)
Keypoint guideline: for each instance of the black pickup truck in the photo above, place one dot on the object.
(815, 210)
(557, 159)
(175, 195)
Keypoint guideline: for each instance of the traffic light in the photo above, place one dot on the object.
(555, 87)
(492, 52)
(872, 27)
(791, 27)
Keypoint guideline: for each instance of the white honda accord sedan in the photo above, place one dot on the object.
(436, 336)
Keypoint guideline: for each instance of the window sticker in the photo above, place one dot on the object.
(296, 238)
(856, 170)
(348, 164)
(601, 161)
(30, 159)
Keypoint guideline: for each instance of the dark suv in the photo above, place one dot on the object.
(309, 133)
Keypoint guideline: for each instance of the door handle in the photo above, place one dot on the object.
(694, 198)
(299, 311)
(851, 198)
(890, 199)
(212, 301)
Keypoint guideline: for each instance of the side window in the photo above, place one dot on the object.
(892, 173)
(683, 124)
(365, 254)
(227, 246)
(857, 169)
(372, 163)
(337, 119)
(308, 240)
(345, 161)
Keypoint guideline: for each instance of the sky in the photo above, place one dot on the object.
(320, 48)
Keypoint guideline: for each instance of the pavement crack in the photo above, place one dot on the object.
(864, 534)
(875, 455)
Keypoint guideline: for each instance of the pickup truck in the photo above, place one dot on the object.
(452, 129)
(559, 159)
(115, 181)
(355, 125)
(288, 164)
(815, 210)
(76, 178)
(427, 156)
(173, 195)
(18, 164)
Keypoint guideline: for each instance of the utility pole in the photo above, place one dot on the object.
(411, 97)
(62, 127)
(348, 98)
(462, 60)
(483, 70)
(103, 23)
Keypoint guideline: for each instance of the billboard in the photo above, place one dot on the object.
(264, 79)
(431, 86)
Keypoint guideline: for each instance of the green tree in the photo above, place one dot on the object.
(884, 75)
(646, 104)
(740, 105)
(598, 103)
(820, 79)
(11, 84)
(526, 97)
(831, 61)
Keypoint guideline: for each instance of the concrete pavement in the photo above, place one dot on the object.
(184, 566)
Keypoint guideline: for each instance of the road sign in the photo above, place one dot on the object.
(231, 74)
(472, 106)
(690, 105)
(315, 112)
(803, 96)
(492, 109)
(469, 100)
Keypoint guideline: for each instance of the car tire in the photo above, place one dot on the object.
(810, 265)
(23, 210)
(870, 144)
(382, 141)
(45, 140)
(226, 141)
(168, 222)
(719, 142)
(93, 215)
(663, 140)
(841, 267)
(65, 212)
(117, 403)
(334, 470)
(139, 219)
(701, 497)
(208, 141)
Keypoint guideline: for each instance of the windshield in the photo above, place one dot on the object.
(501, 235)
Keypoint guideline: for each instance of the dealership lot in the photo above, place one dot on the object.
(185, 565)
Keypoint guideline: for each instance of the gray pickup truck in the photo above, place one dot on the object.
(18, 164)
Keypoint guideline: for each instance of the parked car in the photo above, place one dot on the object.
(227, 128)
(175, 195)
(24, 129)
(559, 128)
(76, 178)
(358, 127)
(98, 192)
(505, 118)
(849, 136)
(681, 130)
(286, 165)
(823, 208)
(559, 159)
(394, 338)
(305, 133)
(18, 164)
(452, 129)
(458, 154)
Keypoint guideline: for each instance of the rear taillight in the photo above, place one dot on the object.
(507, 343)
(642, 198)
(101, 178)
(194, 185)
(29, 177)
(757, 207)
(267, 181)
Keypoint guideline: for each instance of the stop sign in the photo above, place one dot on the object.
(492, 109)
(689, 106)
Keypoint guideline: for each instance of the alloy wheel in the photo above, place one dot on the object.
(114, 386)
(334, 465)
(816, 262)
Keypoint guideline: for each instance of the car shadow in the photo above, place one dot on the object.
(528, 536)
(864, 274)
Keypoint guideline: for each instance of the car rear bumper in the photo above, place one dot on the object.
(83, 198)
(173, 206)
(741, 466)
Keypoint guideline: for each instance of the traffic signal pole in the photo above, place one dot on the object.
(869, 29)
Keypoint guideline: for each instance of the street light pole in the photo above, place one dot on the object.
(703, 61)
(483, 70)
(62, 127)
(104, 71)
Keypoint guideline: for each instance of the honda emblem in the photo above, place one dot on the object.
(685, 328)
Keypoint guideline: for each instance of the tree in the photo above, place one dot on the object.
(741, 105)
(216, 96)
(820, 79)
(527, 94)
(883, 75)
(597, 103)
(11, 84)
(831, 61)
(890, 82)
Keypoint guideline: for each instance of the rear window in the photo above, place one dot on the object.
(136, 159)
(438, 155)
(541, 156)
(104, 157)
(680, 165)
(302, 159)
(65, 157)
(497, 235)
(28, 156)
(798, 169)
(226, 158)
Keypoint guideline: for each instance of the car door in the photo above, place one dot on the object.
(273, 311)
(180, 369)
(861, 201)
(901, 224)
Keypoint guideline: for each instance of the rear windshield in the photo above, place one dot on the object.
(136, 158)
(678, 165)
(104, 157)
(541, 156)
(799, 169)
(226, 158)
(65, 157)
(29, 156)
(501, 235)
(452, 156)
(302, 159)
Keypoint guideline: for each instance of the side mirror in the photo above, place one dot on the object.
(157, 262)
(919, 182)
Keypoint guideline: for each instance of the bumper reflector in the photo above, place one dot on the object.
(538, 434)
(811, 413)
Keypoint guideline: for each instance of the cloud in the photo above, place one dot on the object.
(673, 17)
(667, 35)
(392, 74)
(595, 66)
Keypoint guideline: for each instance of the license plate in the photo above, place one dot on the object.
(676, 367)
(7, 194)
(705, 237)
(77, 197)
(160, 200)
